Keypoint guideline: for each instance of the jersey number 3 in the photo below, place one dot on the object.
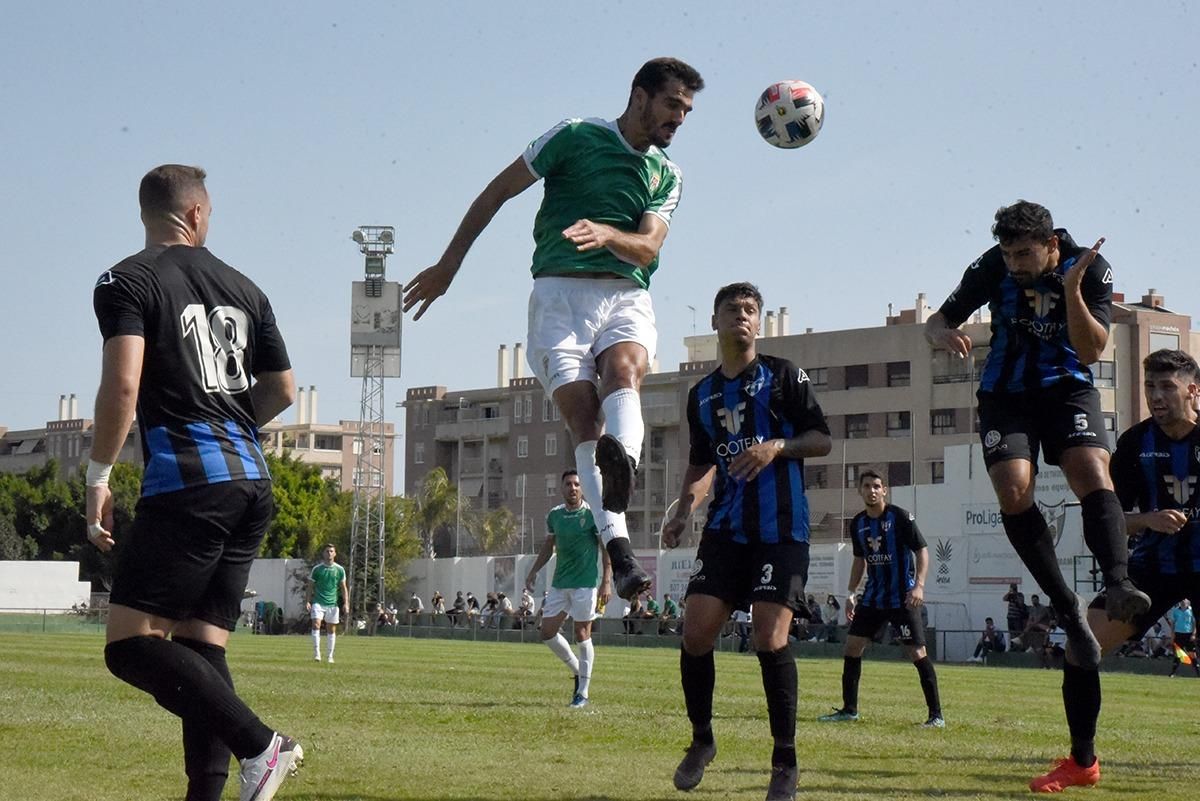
(220, 337)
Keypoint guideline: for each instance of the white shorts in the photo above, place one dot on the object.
(574, 320)
(330, 614)
(579, 604)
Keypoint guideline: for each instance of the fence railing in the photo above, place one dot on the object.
(32, 620)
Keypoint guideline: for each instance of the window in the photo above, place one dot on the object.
(899, 424)
(1104, 374)
(547, 409)
(491, 411)
(419, 453)
(852, 473)
(1163, 341)
(356, 448)
(858, 426)
(551, 485)
(898, 374)
(554, 411)
(943, 421)
(302, 441)
(522, 446)
(528, 408)
(552, 444)
(516, 408)
(899, 474)
(519, 486)
(1110, 422)
(937, 472)
(857, 375)
(819, 376)
(816, 476)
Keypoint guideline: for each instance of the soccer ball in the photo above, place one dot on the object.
(789, 114)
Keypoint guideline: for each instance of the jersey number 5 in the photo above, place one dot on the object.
(220, 339)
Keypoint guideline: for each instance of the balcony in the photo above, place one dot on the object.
(468, 427)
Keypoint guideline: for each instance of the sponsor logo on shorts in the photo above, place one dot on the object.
(991, 439)
(697, 566)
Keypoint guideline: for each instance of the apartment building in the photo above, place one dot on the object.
(892, 404)
(333, 447)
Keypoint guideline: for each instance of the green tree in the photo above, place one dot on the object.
(14, 547)
(436, 506)
(304, 502)
(495, 531)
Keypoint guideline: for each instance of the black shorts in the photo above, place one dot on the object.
(868, 621)
(743, 573)
(1165, 590)
(188, 553)
(1186, 641)
(1015, 426)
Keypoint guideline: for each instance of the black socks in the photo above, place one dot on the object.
(1031, 539)
(205, 756)
(779, 684)
(1081, 700)
(1104, 533)
(699, 676)
(929, 686)
(186, 685)
(851, 672)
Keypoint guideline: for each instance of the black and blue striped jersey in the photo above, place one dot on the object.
(887, 544)
(770, 399)
(207, 330)
(1152, 472)
(1030, 348)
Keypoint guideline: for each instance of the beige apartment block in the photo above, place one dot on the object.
(892, 404)
(333, 447)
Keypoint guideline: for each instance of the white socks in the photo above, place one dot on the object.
(608, 524)
(623, 420)
(332, 640)
(587, 654)
(562, 649)
(316, 637)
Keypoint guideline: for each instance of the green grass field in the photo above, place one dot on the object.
(399, 718)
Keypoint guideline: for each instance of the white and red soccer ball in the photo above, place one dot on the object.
(789, 114)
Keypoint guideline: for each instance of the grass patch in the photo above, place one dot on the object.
(401, 719)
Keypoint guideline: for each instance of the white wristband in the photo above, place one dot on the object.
(97, 473)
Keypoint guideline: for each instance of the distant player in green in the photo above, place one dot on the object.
(571, 531)
(327, 596)
(610, 193)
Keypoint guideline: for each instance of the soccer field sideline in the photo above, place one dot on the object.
(434, 719)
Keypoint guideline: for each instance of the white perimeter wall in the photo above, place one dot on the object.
(34, 586)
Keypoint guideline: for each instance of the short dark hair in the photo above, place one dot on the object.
(570, 471)
(656, 72)
(1172, 361)
(170, 187)
(742, 289)
(1022, 220)
(864, 475)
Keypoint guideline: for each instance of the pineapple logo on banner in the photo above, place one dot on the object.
(943, 553)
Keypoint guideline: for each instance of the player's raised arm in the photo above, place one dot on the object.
(1087, 334)
(638, 248)
(940, 335)
(432, 282)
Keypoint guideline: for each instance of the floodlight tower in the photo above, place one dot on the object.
(375, 355)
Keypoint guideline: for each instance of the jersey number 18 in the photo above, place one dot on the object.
(220, 339)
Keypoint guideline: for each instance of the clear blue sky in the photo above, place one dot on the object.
(312, 120)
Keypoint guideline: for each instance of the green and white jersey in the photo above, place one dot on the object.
(592, 173)
(577, 544)
(326, 579)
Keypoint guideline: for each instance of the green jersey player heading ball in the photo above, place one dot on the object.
(610, 192)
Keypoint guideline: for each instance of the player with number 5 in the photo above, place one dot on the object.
(1050, 303)
(751, 422)
(184, 334)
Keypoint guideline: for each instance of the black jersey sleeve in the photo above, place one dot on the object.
(976, 288)
(270, 352)
(1097, 290)
(119, 301)
(1124, 469)
(700, 451)
(799, 400)
(910, 532)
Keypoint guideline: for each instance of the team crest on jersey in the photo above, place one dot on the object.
(655, 180)
(106, 278)
(1181, 489)
(755, 386)
(1042, 303)
(732, 418)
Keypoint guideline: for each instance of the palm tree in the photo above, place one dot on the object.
(496, 531)
(436, 506)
